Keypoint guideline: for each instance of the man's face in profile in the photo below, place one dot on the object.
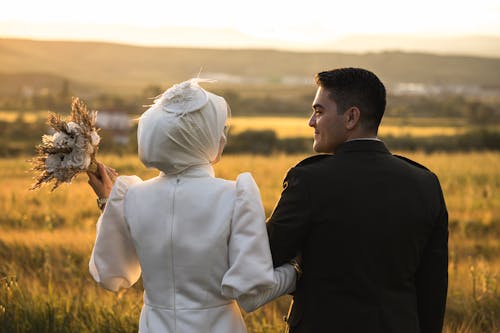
(329, 125)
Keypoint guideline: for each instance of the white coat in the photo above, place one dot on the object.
(201, 245)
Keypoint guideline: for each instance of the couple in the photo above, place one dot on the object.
(369, 227)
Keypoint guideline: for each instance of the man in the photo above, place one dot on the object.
(371, 227)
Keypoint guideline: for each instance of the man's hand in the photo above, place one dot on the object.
(102, 181)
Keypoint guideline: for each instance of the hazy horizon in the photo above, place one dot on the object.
(444, 26)
(226, 38)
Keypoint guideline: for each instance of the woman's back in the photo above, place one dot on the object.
(180, 226)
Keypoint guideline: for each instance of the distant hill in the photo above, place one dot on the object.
(12, 83)
(484, 46)
(227, 38)
(116, 67)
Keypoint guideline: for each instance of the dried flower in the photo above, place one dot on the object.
(70, 150)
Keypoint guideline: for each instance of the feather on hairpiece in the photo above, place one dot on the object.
(183, 97)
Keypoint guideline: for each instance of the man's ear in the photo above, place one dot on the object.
(352, 117)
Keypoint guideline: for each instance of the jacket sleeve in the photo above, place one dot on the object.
(289, 223)
(251, 278)
(114, 263)
(432, 274)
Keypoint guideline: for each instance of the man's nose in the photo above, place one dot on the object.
(312, 121)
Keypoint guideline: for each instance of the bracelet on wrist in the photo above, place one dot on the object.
(101, 203)
(296, 266)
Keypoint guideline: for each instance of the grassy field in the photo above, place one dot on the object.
(286, 127)
(46, 238)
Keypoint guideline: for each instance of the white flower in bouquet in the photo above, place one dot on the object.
(75, 159)
(53, 162)
(73, 128)
(94, 138)
(70, 150)
(61, 140)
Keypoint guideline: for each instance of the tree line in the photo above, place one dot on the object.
(477, 111)
(20, 138)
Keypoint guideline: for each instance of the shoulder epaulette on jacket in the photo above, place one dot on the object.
(406, 159)
(312, 159)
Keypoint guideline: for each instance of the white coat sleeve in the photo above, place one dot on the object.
(251, 279)
(114, 263)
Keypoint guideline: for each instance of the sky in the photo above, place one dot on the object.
(292, 22)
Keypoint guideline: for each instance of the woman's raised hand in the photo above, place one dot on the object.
(102, 181)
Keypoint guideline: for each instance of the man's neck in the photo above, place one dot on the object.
(358, 134)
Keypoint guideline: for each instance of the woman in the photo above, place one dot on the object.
(200, 242)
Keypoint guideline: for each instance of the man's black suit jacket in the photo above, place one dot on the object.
(372, 229)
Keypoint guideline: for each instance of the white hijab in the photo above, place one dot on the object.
(182, 128)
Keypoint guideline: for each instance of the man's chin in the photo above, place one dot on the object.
(321, 149)
(317, 148)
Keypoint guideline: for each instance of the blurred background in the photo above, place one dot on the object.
(439, 60)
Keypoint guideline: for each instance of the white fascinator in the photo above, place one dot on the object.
(182, 128)
(184, 97)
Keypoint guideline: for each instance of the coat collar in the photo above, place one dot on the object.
(195, 171)
(363, 146)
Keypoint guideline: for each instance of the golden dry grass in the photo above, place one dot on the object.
(286, 127)
(11, 116)
(46, 238)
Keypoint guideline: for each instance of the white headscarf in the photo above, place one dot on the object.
(182, 128)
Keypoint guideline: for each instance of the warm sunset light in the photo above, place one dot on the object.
(121, 170)
(229, 23)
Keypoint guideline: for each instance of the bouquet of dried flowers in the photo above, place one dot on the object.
(70, 150)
